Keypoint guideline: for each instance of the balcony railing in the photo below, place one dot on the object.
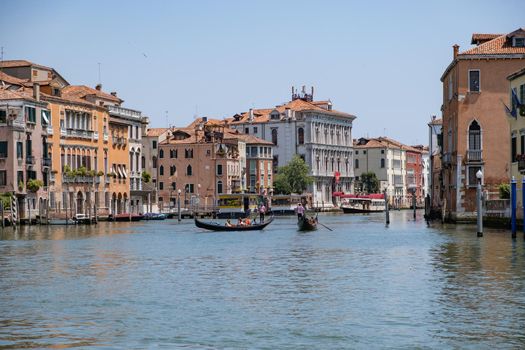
(46, 162)
(81, 179)
(50, 130)
(106, 137)
(95, 135)
(30, 160)
(125, 112)
(119, 141)
(474, 155)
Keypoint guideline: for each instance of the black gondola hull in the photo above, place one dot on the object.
(217, 227)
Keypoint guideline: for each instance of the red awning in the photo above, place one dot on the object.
(337, 194)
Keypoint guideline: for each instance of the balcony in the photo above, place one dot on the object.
(105, 137)
(119, 141)
(81, 179)
(474, 156)
(77, 133)
(49, 130)
(95, 135)
(446, 159)
(125, 113)
(30, 160)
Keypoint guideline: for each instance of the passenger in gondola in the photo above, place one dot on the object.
(247, 222)
(240, 222)
(228, 223)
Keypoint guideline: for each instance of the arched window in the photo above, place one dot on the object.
(274, 136)
(189, 170)
(300, 135)
(154, 161)
(219, 186)
(161, 153)
(474, 136)
(173, 169)
(161, 170)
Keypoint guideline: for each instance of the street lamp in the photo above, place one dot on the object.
(479, 176)
(178, 203)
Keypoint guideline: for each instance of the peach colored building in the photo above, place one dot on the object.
(475, 129)
(207, 159)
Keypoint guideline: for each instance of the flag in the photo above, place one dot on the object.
(510, 113)
(515, 103)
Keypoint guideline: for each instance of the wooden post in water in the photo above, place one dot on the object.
(2, 213)
(414, 202)
(387, 208)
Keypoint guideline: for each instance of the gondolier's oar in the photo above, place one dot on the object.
(324, 226)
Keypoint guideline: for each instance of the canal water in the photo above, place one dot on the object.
(166, 285)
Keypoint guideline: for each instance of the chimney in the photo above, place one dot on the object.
(456, 49)
(36, 91)
(287, 113)
(204, 119)
(98, 87)
(114, 93)
(250, 117)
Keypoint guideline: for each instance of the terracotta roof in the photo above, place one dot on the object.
(384, 142)
(263, 115)
(209, 121)
(20, 63)
(436, 122)
(16, 95)
(81, 91)
(249, 139)
(154, 132)
(500, 45)
(11, 80)
(481, 37)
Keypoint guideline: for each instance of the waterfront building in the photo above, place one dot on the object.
(516, 119)
(151, 138)
(207, 159)
(316, 132)
(24, 149)
(474, 122)
(435, 143)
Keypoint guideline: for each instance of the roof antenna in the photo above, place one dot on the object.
(167, 122)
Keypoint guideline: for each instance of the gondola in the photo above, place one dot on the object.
(305, 224)
(219, 227)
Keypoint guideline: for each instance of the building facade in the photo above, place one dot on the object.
(475, 131)
(516, 119)
(314, 131)
(435, 143)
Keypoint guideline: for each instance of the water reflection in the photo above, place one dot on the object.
(164, 284)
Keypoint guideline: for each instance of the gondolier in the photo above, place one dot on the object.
(300, 211)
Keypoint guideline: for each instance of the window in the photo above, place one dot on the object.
(274, 136)
(246, 130)
(300, 135)
(364, 152)
(3, 149)
(219, 169)
(31, 115)
(474, 136)
(189, 188)
(472, 179)
(219, 186)
(356, 152)
(275, 163)
(255, 130)
(522, 144)
(3, 178)
(19, 177)
(3, 116)
(382, 151)
(173, 169)
(518, 42)
(189, 170)
(154, 144)
(161, 186)
(357, 163)
(382, 162)
(514, 148)
(45, 117)
(473, 80)
(173, 185)
(161, 170)
(188, 153)
(161, 153)
(173, 153)
(19, 150)
(154, 161)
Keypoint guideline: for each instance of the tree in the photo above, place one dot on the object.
(293, 177)
(370, 182)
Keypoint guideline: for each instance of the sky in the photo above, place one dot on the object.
(174, 60)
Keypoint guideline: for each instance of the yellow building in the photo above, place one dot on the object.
(517, 129)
